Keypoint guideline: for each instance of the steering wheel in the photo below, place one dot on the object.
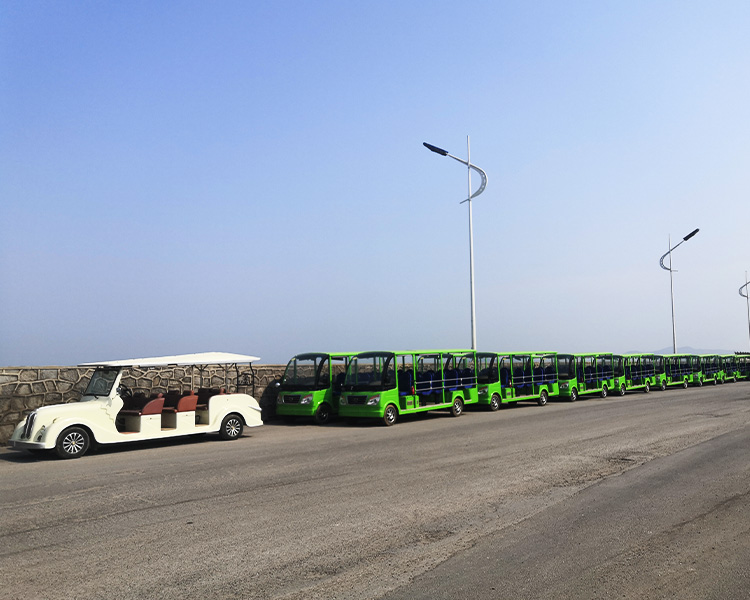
(124, 392)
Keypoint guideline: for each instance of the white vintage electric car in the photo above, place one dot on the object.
(111, 413)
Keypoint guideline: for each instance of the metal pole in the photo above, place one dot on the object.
(482, 185)
(471, 253)
(747, 299)
(671, 282)
(671, 292)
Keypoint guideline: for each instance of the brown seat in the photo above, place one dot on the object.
(153, 406)
(187, 403)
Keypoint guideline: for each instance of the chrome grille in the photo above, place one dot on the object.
(29, 427)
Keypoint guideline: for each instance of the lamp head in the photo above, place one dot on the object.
(689, 235)
(435, 149)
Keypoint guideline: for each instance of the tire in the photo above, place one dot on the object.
(622, 389)
(604, 391)
(663, 385)
(684, 384)
(72, 443)
(647, 389)
(458, 407)
(542, 398)
(495, 402)
(573, 395)
(700, 383)
(231, 427)
(715, 382)
(323, 415)
(390, 416)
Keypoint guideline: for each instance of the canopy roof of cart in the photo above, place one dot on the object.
(179, 360)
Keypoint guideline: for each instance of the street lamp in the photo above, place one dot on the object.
(744, 287)
(671, 284)
(483, 175)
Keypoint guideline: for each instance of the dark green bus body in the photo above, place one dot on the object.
(743, 366)
(516, 377)
(683, 370)
(385, 385)
(590, 373)
(711, 367)
(729, 367)
(640, 373)
(311, 385)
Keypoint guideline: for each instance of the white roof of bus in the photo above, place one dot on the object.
(182, 360)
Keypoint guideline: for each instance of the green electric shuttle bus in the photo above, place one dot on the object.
(743, 365)
(386, 385)
(592, 373)
(311, 385)
(682, 369)
(516, 377)
(711, 368)
(640, 373)
(729, 367)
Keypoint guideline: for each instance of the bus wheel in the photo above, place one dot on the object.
(700, 383)
(323, 414)
(647, 389)
(573, 395)
(622, 389)
(684, 384)
(663, 385)
(542, 398)
(458, 407)
(715, 382)
(494, 402)
(72, 443)
(390, 415)
(231, 427)
(604, 391)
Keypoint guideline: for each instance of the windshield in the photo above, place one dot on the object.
(371, 371)
(307, 372)
(101, 382)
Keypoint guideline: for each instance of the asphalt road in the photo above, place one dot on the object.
(644, 496)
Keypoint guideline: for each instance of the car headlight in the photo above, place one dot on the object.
(375, 400)
(564, 386)
(342, 400)
(306, 400)
(280, 400)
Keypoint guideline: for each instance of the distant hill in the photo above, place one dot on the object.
(691, 350)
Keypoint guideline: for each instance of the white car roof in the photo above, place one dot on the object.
(182, 360)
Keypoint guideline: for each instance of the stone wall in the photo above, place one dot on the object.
(26, 388)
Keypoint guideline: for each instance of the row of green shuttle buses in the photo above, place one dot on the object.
(385, 385)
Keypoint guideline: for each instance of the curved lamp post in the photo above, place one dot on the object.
(483, 175)
(744, 287)
(671, 284)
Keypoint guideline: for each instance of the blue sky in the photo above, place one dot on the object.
(250, 177)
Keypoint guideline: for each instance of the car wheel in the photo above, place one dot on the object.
(72, 443)
(323, 414)
(573, 395)
(622, 389)
(700, 383)
(390, 415)
(647, 389)
(663, 385)
(604, 391)
(542, 398)
(231, 427)
(458, 407)
(494, 402)
(684, 384)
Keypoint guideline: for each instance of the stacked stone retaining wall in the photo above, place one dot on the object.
(26, 388)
